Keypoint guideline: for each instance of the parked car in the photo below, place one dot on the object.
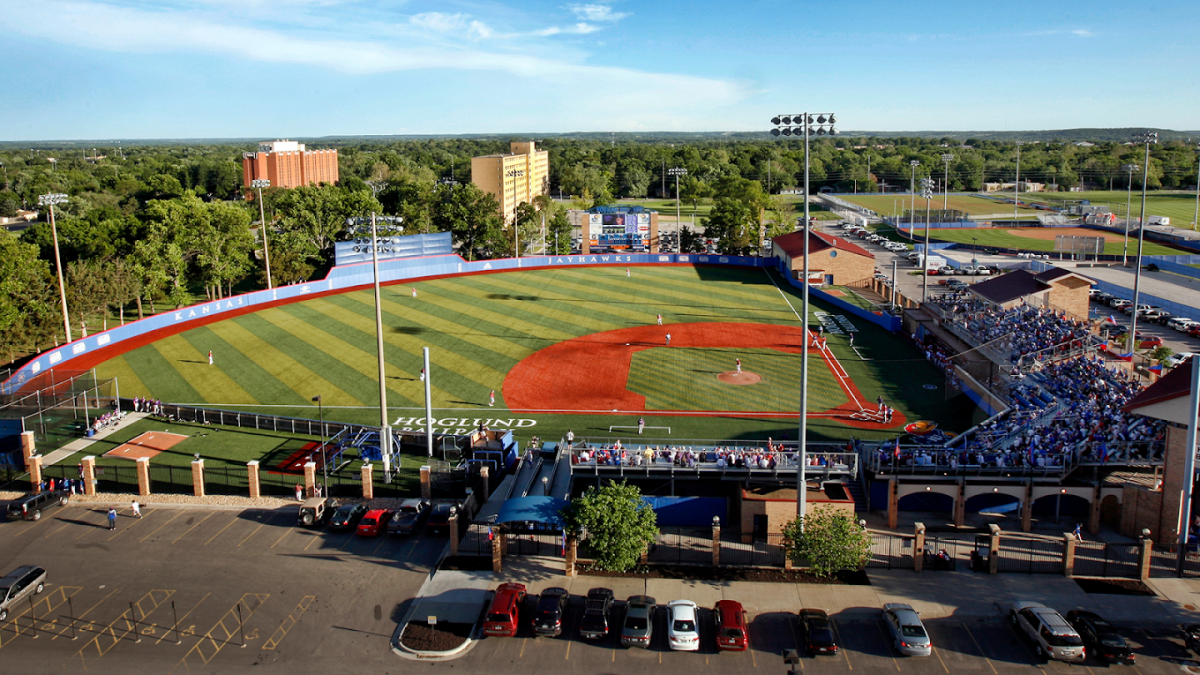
(1101, 637)
(1163, 317)
(1174, 360)
(504, 613)
(1179, 322)
(410, 517)
(374, 523)
(551, 608)
(32, 505)
(818, 632)
(315, 511)
(683, 630)
(346, 516)
(1149, 341)
(732, 634)
(1190, 632)
(19, 584)
(1052, 636)
(1119, 303)
(638, 629)
(439, 517)
(596, 611)
(967, 268)
(945, 269)
(908, 633)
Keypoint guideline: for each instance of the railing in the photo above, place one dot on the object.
(827, 464)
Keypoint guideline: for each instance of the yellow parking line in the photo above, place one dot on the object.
(315, 539)
(935, 653)
(121, 530)
(568, 656)
(792, 627)
(842, 642)
(288, 623)
(980, 648)
(64, 526)
(235, 519)
(87, 531)
(524, 641)
(252, 532)
(161, 526)
(185, 615)
(286, 533)
(210, 515)
(382, 540)
(887, 640)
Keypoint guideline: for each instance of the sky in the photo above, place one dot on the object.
(126, 69)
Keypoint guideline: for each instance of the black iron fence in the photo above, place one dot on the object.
(761, 552)
(1029, 555)
(682, 546)
(890, 551)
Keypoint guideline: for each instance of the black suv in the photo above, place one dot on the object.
(346, 516)
(1101, 637)
(596, 610)
(30, 506)
(551, 607)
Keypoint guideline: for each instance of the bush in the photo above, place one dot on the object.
(832, 541)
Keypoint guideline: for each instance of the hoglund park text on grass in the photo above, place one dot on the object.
(651, 359)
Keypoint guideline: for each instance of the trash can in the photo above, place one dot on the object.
(90, 433)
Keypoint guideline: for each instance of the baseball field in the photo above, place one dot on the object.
(1041, 239)
(886, 205)
(564, 348)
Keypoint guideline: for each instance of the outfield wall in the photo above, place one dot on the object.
(341, 279)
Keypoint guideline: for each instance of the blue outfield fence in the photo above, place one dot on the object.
(346, 278)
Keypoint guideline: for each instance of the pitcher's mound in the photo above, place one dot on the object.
(148, 444)
(744, 377)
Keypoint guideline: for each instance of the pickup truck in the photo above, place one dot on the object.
(596, 611)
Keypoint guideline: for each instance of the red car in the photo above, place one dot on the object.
(373, 524)
(1152, 341)
(504, 614)
(731, 626)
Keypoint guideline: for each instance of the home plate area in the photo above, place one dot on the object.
(148, 445)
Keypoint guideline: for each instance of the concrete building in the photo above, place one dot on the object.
(832, 261)
(287, 164)
(513, 178)
(1056, 288)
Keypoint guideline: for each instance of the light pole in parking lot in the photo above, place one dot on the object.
(324, 450)
(50, 200)
(946, 159)
(677, 172)
(1195, 217)
(259, 184)
(927, 193)
(912, 190)
(795, 125)
(1017, 184)
(1128, 209)
(1147, 138)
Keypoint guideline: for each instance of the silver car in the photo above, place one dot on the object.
(908, 633)
(19, 584)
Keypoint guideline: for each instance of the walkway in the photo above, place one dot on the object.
(83, 443)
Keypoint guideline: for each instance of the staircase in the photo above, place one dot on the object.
(860, 496)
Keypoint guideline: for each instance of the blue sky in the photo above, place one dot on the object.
(113, 69)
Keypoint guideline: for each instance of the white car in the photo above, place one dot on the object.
(1176, 359)
(683, 630)
(1180, 323)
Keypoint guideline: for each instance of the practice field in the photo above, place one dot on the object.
(561, 348)
(1180, 207)
(886, 205)
(1040, 239)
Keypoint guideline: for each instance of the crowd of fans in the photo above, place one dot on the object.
(107, 419)
(720, 457)
(1019, 330)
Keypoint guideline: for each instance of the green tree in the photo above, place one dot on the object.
(690, 241)
(319, 213)
(737, 215)
(1162, 353)
(472, 215)
(832, 541)
(615, 521)
(28, 298)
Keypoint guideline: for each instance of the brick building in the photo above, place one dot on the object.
(513, 178)
(1056, 288)
(287, 164)
(832, 260)
(764, 510)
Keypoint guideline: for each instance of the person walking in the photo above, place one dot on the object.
(641, 425)
(112, 518)
(626, 271)
(570, 438)
(879, 402)
(137, 509)
(739, 366)
(210, 357)
(1078, 532)
(414, 291)
(851, 339)
(492, 398)
(660, 319)
(299, 492)
(668, 339)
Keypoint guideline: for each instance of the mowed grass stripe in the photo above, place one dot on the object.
(188, 353)
(746, 287)
(358, 349)
(297, 338)
(159, 377)
(280, 366)
(124, 373)
(459, 370)
(484, 311)
(691, 301)
(560, 310)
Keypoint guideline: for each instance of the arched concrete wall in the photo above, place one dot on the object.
(1014, 490)
(912, 488)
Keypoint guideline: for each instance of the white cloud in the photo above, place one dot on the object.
(453, 24)
(1081, 32)
(109, 28)
(597, 13)
(578, 29)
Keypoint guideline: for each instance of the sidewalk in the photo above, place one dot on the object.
(933, 594)
(83, 443)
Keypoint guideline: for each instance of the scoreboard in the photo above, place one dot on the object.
(619, 231)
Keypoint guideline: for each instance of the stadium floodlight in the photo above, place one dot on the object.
(946, 159)
(1130, 168)
(677, 172)
(1195, 217)
(1017, 184)
(50, 200)
(324, 447)
(804, 124)
(927, 195)
(259, 184)
(1148, 139)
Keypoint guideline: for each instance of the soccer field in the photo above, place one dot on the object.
(886, 205)
(501, 332)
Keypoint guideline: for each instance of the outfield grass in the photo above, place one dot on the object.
(971, 205)
(1180, 207)
(478, 327)
(1001, 238)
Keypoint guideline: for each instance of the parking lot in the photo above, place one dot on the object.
(182, 590)
(987, 646)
